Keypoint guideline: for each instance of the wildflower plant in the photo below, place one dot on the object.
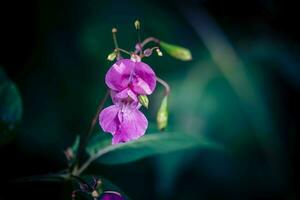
(129, 82)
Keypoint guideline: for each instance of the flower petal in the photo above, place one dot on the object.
(123, 95)
(111, 195)
(108, 119)
(146, 79)
(118, 76)
(133, 125)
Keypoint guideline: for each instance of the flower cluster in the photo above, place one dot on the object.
(127, 79)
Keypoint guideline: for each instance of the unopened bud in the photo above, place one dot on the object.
(137, 24)
(162, 114)
(138, 47)
(147, 52)
(176, 51)
(159, 53)
(95, 194)
(143, 99)
(114, 30)
(112, 56)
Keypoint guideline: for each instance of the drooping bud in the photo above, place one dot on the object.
(137, 24)
(138, 47)
(162, 114)
(143, 99)
(112, 56)
(159, 53)
(147, 52)
(178, 52)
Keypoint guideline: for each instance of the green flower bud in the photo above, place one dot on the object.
(176, 51)
(162, 114)
(143, 99)
(112, 56)
(159, 53)
(137, 24)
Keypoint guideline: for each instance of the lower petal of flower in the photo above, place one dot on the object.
(108, 119)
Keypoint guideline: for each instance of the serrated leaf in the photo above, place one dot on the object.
(176, 51)
(148, 145)
(10, 107)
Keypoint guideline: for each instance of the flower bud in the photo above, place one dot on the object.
(138, 47)
(176, 51)
(114, 30)
(143, 99)
(159, 53)
(137, 24)
(147, 52)
(162, 114)
(112, 56)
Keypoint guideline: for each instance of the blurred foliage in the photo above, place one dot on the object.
(63, 81)
(10, 107)
(148, 145)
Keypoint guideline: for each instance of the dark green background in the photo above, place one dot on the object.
(55, 51)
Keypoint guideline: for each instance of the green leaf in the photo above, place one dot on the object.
(10, 107)
(71, 151)
(148, 145)
(178, 52)
(75, 145)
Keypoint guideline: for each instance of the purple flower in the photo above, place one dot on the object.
(123, 119)
(110, 195)
(127, 79)
(126, 74)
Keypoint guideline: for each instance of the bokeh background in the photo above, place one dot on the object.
(241, 89)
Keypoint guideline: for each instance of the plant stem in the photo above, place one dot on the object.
(124, 51)
(84, 140)
(114, 35)
(165, 84)
(92, 158)
(146, 41)
(114, 31)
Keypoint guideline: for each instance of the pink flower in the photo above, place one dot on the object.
(134, 77)
(127, 79)
(123, 119)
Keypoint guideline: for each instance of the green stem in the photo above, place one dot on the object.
(146, 41)
(124, 51)
(83, 141)
(165, 84)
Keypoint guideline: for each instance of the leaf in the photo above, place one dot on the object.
(75, 145)
(71, 151)
(178, 52)
(10, 107)
(148, 145)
